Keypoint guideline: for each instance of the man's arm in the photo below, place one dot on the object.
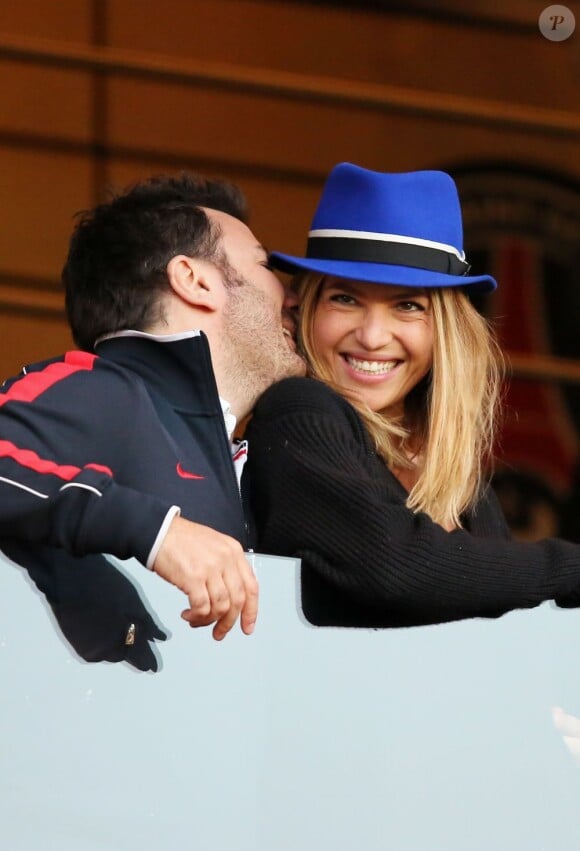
(56, 490)
(56, 482)
(81, 509)
(212, 570)
(90, 513)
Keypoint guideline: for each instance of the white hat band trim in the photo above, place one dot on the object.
(386, 237)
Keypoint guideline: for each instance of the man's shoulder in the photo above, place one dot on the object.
(33, 369)
(62, 373)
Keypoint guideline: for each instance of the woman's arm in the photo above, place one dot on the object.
(320, 492)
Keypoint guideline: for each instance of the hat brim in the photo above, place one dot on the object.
(378, 273)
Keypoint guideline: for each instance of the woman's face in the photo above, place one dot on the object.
(376, 340)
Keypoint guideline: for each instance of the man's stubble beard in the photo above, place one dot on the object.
(254, 345)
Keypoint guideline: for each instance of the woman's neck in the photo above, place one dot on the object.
(408, 476)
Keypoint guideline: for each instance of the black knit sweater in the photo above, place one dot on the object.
(320, 492)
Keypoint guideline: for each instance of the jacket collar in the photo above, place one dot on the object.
(177, 366)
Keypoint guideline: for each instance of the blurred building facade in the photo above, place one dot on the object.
(95, 94)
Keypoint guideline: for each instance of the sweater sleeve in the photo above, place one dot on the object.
(321, 494)
(58, 484)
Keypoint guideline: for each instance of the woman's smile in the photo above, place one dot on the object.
(367, 367)
(376, 340)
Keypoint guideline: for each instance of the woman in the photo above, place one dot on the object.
(374, 473)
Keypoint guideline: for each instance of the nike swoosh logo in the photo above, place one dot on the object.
(184, 474)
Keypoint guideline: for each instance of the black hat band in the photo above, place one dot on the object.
(391, 253)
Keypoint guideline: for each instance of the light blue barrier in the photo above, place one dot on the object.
(296, 739)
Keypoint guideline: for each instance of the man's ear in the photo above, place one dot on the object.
(194, 281)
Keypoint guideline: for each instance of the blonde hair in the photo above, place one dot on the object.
(451, 415)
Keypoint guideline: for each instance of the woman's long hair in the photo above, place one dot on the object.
(450, 416)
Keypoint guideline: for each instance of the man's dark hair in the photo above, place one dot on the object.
(115, 271)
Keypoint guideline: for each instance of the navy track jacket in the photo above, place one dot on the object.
(95, 450)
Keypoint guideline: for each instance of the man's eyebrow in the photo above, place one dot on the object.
(261, 249)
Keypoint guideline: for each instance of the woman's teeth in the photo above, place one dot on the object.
(373, 367)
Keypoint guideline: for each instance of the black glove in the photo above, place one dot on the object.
(97, 607)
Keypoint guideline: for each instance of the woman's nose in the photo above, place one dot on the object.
(375, 330)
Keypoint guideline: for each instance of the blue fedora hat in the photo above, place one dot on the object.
(388, 229)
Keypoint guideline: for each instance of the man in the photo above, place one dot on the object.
(124, 447)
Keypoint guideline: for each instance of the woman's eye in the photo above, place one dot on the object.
(342, 298)
(410, 306)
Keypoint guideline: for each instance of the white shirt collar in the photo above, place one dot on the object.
(229, 418)
(160, 338)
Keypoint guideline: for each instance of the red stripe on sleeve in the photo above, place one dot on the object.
(28, 388)
(29, 459)
(100, 468)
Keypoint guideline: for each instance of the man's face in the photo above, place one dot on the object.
(258, 334)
